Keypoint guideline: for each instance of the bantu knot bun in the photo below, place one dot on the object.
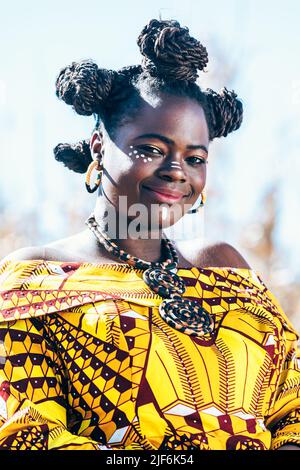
(76, 157)
(170, 52)
(84, 86)
(226, 112)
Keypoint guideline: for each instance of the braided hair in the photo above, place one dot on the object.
(171, 59)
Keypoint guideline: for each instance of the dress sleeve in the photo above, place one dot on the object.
(33, 393)
(283, 418)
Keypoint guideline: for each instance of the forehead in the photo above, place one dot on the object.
(179, 118)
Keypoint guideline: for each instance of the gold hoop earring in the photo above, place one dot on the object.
(93, 165)
(203, 199)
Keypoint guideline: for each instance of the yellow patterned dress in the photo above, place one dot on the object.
(87, 362)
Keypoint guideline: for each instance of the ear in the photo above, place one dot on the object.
(96, 145)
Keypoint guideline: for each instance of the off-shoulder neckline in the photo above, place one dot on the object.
(129, 267)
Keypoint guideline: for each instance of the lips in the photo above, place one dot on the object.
(164, 195)
(167, 192)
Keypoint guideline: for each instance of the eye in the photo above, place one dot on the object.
(199, 160)
(150, 149)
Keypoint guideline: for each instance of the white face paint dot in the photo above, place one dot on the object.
(137, 156)
(135, 151)
(131, 146)
(130, 153)
(149, 159)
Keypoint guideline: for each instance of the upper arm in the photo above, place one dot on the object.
(26, 253)
(221, 254)
(34, 408)
(283, 413)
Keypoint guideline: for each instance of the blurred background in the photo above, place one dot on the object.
(253, 174)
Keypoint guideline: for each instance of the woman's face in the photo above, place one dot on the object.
(165, 148)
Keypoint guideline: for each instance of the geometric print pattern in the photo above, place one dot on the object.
(87, 362)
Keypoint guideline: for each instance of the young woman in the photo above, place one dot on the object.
(115, 341)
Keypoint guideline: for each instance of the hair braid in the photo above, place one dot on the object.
(170, 52)
(226, 112)
(76, 157)
(84, 86)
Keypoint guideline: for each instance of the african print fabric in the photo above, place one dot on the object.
(87, 362)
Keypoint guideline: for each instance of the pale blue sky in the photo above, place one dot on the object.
(260, 38)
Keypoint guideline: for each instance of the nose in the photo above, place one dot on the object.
(172, 171)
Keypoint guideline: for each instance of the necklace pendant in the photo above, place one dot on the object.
(186, 316)
(165, 283)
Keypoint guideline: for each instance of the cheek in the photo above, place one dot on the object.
(140, 157)
(124, 175)
(117, 164)
(198, 179)
(141, 164)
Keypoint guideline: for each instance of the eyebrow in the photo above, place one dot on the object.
(170, 141)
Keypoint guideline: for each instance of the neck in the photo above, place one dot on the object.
(142, 243)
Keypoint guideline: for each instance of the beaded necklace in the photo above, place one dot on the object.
(180, 313)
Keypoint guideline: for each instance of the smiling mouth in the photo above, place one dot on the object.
(163, 197)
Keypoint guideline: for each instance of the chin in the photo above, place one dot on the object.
(168, 219)
(160, 219)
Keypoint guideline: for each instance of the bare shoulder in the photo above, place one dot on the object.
(78, 247)
(57, 250)
(26, 253)
(221, 254)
